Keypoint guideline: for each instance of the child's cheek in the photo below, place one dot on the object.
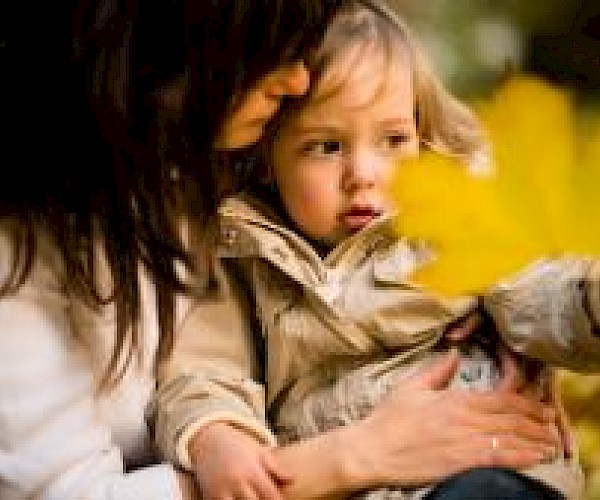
(317, 193)
(307, 194)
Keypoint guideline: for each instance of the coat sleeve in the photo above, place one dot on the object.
(52, 443)
(213, 373)
(551, 312)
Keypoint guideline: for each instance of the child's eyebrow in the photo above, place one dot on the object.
(400, 120)
(329, 125)
(321, 129)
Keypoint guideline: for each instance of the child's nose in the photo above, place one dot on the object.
(362, 172)
(291, 80)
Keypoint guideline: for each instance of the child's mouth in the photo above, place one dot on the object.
(358, 217)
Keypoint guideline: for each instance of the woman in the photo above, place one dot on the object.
(88, 224)
(91, 202)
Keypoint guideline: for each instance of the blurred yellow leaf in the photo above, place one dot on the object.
(539, 199)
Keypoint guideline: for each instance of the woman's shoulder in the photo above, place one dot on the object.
(45, 278)
(48, 389)
(33, 313)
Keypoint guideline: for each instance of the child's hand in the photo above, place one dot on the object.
(229, 464)
(462, 329)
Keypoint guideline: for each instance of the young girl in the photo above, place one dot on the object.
(311, 256)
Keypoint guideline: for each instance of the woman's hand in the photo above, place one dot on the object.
(543, 384)
(423, 432)
(527, 377)
(230, 464)
(562, 418)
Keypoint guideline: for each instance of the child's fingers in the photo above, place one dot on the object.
(265, 488)
(462, 329)
(274, 469)
(268, 491)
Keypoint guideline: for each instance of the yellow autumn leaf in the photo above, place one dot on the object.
(584, 197)
(538, 200)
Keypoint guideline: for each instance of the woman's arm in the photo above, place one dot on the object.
(53, 443)
(419, 434)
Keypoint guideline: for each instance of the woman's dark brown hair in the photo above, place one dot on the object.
(82, 164)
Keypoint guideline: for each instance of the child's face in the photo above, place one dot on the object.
(332, 160)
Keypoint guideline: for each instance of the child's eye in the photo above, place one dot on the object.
(395, 140)
(329, 147)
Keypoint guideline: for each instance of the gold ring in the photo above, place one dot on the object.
(495, 443)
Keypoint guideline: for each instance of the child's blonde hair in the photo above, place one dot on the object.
(366, 29)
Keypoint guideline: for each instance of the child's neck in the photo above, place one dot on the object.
(322, 248)
(271, 195)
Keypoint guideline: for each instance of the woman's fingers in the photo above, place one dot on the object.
(500, 403)
(461, 449)
(562, 418)
(546, 435)
(447, 430)
(505, 450)
(441, 373)
(512, 378)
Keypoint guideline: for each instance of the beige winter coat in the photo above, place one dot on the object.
(336, 332)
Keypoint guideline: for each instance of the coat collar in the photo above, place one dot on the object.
(250, 227)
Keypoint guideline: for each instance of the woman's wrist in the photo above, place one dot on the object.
(358, 467)
(319, 469)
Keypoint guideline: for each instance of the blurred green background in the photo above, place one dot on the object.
(473, 44)
(473, 41)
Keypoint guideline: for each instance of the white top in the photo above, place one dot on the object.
(60, 438)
